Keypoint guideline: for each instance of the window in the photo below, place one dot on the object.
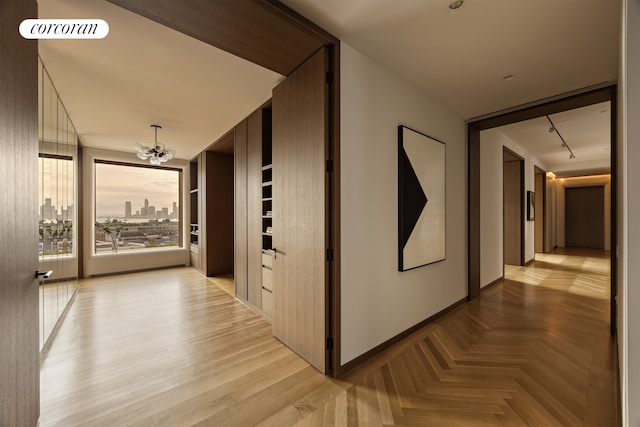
(56, 219)
(137, 207)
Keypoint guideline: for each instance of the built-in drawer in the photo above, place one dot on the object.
(267, 259)
(267, 278)
(267, 302)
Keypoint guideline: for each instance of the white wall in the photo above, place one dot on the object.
(492, 142)
(585, 181)
(96, 264)
(377, 301)
(629, 226)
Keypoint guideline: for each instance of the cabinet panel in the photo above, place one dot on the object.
(267, 302)
(267, 278)
(240, 273)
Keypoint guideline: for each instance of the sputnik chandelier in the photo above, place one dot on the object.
(157, 153)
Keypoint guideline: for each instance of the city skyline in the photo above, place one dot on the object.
(117, 184)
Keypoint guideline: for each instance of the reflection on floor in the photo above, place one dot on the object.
(170, 347)
(53, 298)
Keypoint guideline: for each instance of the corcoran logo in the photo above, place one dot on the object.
(64, 29)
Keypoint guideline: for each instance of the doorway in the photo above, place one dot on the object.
(538, 110)
(584, 215)
(512, 207)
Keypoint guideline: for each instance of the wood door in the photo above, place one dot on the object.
(540, 182)
(513, 209)
(300, 136)
(19, 350)
(585, 217)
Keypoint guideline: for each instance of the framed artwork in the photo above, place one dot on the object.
(531, 205)
(421, 199)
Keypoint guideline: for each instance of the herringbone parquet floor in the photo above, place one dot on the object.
(177, 350)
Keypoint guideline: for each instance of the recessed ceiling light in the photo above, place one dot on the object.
(456, 4)
(508, 77)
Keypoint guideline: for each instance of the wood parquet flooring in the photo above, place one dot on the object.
(172, 348)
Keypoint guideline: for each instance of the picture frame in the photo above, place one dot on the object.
(421, 199)
(531, 206)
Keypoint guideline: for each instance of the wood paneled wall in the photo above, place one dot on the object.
(19, 350)
(240, 211)
(218, 213)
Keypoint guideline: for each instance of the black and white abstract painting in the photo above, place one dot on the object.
(421, 199)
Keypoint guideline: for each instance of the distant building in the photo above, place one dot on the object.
(127, 209)
(151, 211)
(48, 211)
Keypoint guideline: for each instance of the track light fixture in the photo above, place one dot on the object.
(553, 128)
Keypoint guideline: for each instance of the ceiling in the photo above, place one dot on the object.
(586, 131)
(145, 73)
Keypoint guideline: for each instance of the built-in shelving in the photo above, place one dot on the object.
(194, 233)
(268, 254)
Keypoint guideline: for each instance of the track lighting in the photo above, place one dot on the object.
(553, 128)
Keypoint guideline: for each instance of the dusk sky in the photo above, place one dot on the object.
(56, 182)
(116, 184)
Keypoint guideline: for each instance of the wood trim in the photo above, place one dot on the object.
(552, 107)
(473, 216)
(334, 286)
(391, 341)
(492, 284)
(264, 32)
(613, 93)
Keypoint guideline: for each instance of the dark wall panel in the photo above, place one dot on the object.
(513, 213)
(585, 217)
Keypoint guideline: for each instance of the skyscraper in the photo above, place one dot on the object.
(127, 209)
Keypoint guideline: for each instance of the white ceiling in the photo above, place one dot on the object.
(144, 73)
(586, 131)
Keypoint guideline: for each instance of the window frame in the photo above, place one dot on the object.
(181, 226)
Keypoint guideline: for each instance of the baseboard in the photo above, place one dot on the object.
(343, 369)
(492, 284)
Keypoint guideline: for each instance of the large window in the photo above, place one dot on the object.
(137, 207)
